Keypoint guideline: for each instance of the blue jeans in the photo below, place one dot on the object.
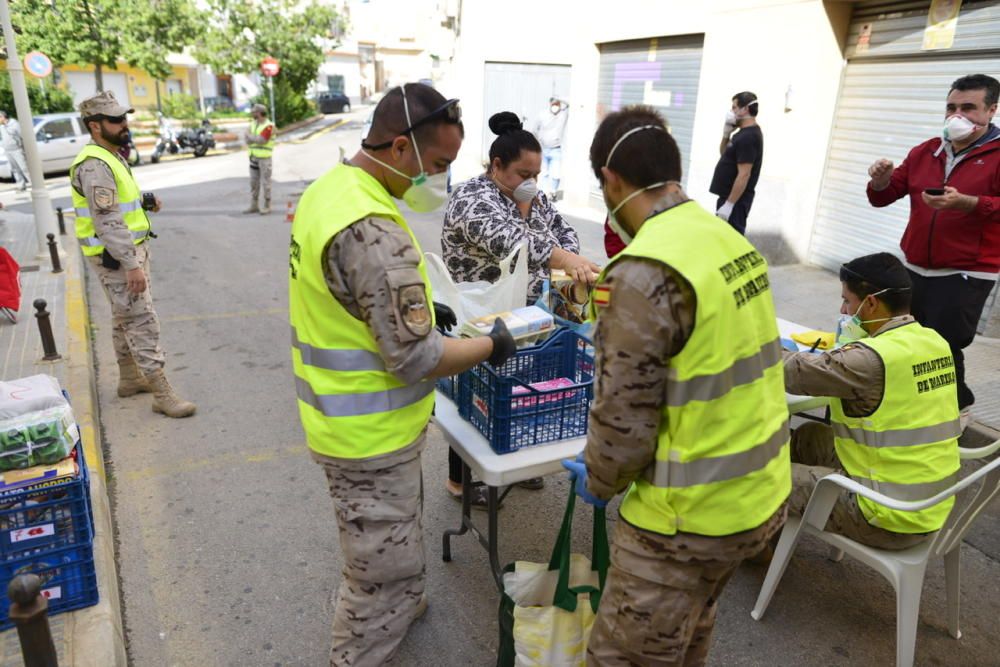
(551, 169)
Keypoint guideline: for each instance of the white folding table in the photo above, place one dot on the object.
(504, 470)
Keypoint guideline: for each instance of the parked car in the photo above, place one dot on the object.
(60, 137)
(333, 103)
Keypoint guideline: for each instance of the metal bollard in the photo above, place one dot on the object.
(54, 253)
(45, 329)
(29, 611)
(62, 222)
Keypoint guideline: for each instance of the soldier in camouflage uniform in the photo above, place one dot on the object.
(135, 326)
(659, 602)
(369, 275)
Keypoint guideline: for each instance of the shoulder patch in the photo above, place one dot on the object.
(602, 296)
(414, 311)
(103, 197)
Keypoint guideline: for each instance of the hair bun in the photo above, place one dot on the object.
(505, 122)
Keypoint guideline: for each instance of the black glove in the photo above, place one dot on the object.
(444, 317)
(504, 346)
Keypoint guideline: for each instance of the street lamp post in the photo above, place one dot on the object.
(45, 218)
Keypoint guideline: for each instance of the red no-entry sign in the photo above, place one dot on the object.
(269, 66)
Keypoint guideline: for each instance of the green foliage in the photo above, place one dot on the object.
(100, 32)
(47, 100)
(180, 105)
(289, 105)
(244, 32)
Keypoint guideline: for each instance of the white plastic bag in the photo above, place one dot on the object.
(480, 298)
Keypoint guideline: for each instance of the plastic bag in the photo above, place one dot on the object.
(36, 423)
(481, 298)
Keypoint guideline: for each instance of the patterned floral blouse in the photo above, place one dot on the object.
(482, 227)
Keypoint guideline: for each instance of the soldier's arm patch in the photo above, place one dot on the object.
(413, 312)
(602, 296)
(104, 198)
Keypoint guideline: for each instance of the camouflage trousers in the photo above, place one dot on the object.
(656, 609)
(378, 504)
(260, 178)
(135, 328)
(813, 458)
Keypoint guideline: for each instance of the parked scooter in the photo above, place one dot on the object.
(199, 140)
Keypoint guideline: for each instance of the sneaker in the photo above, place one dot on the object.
(533, 484)
(478, 499)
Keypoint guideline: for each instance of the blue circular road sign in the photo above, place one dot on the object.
(38, 64)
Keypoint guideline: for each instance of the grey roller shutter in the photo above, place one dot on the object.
(662, 72)
(892, 98)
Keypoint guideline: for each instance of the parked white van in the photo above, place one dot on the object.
(60, 137)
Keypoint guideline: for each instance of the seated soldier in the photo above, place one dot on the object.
(894, 414)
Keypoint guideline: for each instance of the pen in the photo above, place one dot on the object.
(816, 344)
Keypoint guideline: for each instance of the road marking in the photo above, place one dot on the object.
(224, 316)
(213, 462)
(317, 133)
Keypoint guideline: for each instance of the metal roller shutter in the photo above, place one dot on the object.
(891, 99)
(662, 72)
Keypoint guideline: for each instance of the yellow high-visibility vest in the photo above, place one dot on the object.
(908, 448)
(129, 202)
(350, 406)
(722, 461)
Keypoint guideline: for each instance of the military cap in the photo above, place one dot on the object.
(103, 104)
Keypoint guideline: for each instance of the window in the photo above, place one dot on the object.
(61, 128)
(335, 83)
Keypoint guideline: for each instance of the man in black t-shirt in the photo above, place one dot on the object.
(738, 169)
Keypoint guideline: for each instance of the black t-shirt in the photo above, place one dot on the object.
(747, 145)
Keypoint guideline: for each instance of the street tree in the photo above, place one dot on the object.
(102, 32)
(242, 32)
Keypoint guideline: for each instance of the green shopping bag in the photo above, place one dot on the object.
(547, 610)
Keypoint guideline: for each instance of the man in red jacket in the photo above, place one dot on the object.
(952, 240)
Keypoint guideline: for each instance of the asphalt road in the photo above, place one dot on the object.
(227, 545)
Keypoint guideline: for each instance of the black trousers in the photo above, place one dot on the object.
(741, 209)
(952, 306)
(454, 467)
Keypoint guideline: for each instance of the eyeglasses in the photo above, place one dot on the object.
(845, 273)
(115, 120)
(450, 112)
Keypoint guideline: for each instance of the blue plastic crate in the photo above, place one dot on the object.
(448, 386)
(69, 579)
(45, 517)
(489, 398)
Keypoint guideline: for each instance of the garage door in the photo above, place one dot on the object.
(82, 85)
(525, 89)
(892, 98)
(661, 72)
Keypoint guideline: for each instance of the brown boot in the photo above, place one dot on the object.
(165, 401)
(253, 208)
(266, 208)
(130, 380)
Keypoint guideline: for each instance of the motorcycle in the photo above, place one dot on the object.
(199, 140)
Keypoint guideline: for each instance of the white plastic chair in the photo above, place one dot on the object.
(904, 569)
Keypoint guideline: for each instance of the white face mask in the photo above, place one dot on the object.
(958, 128)
(613, 222)
(526, 191)
(849, 327)
(731, 118)
(426, 193)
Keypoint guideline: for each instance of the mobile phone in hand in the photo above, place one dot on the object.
(934, 192)
(148, 201)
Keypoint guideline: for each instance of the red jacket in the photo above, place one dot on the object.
(949, 239)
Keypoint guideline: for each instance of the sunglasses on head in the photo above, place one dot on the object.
(450, 112)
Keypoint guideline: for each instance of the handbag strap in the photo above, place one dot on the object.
(566, 596)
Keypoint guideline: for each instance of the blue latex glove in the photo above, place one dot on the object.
(789, 344)
(578, 474)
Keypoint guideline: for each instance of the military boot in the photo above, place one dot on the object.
(266, 208)
(165, 401)
(253, 207)
(130, 380)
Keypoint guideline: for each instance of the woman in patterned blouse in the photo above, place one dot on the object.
(488, 216)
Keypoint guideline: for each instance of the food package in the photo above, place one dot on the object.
(566, 298)
(525, 398)
(528, 324)
(36, 423)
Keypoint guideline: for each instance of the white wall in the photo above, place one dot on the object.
(346, 66)
(763, 46)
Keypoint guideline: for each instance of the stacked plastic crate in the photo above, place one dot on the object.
(46, 528)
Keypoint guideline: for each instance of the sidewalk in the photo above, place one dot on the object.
(90, 637)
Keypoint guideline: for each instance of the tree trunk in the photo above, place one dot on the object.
(99, 76)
